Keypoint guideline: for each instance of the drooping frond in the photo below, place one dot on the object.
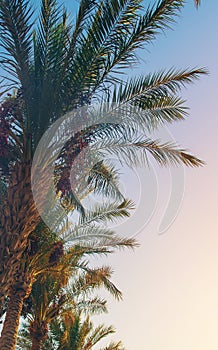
(102, 276)
(148, 101)
(92, 306)
(134, 151)
(103, 179)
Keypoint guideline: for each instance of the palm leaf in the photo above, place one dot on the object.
(16, 40)
(134, 151)
(143, 30)
(103, 179)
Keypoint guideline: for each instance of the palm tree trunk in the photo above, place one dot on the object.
(20, 290)
(36, 344)
(11, 323)
(38, 333)
(19, 217)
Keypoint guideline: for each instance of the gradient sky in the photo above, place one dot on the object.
(170, 283)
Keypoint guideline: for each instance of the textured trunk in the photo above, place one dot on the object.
(19, 217)
(18, 292)
(11, 323)
(38, 333)
(36, 344)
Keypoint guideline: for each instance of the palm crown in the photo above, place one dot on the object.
(57, 66)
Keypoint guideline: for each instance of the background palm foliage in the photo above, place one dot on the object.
(54, 65)
(64, 292)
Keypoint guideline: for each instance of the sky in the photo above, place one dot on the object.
(170, 283)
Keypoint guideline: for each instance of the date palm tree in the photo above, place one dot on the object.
(56, 66)
(72, 331)
(54, 270)
(51, 300)
(45, 257)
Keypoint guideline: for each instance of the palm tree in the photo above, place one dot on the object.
(49, 302)
(42, 259)
(50, 298)
(72, 331)
(57, 66)
(50, 295)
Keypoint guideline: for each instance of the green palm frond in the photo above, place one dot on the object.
(148, 101)
(145, 29)
(92, 306)
(116, 40)
(134, 151)
(97, 240)
(81, 286)
(50, 49)
(107, 212)
(16, 19)
(162, 83)
(98, 334)
(112, 20)
(73, 332)
(103, 178)
(84, 13)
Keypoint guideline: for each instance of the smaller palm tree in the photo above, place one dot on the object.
(72, 331)
(75, 332)
(50, 300)
(43, 255)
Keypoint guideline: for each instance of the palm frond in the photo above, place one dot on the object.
(103, 180)
(102, 276)
(111, 20)
(107, 212)
(16, 35)
(97, 240)
(50, 49)
(156, 84)
(92, 306)
(134, 152)
(114, 346)
(156, 18)
(99, 333)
